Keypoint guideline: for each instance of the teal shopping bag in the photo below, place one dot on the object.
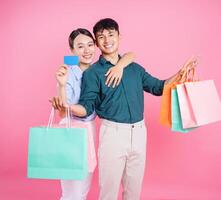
(57, 152)
(175, 112)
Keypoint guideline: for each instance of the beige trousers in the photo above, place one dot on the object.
(121, 157)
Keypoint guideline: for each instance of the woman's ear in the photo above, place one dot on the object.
(72, 51)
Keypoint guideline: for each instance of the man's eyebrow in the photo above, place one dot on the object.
(109, 31)
(99, 33)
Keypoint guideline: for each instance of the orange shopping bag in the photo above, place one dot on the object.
(165, 110)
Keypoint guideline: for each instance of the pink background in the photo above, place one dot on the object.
(163, 34)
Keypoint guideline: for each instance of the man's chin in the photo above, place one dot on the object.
(109, 52)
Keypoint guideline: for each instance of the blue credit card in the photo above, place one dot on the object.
(71, 60)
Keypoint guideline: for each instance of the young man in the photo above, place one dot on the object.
(122, 137)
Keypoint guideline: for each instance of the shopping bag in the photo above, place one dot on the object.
(165, 109)
(90, 126)
(205, 101)
(186, 112)
(57, 153)
(175, 113)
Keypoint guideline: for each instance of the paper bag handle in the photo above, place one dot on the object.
(67, 115)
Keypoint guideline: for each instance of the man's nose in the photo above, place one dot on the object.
(106, 39)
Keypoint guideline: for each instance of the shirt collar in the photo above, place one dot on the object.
(103, 61)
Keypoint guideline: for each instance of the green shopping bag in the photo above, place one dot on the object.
(175, 112)
(57, 153)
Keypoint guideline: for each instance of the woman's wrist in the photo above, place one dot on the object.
(61, 86)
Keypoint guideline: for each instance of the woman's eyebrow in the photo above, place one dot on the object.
(80, 43)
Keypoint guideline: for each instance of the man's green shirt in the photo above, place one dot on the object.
(124, 103)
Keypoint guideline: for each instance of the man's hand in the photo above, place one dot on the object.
(62, 75)
(114, 76)
(189, 66)
(182, 74)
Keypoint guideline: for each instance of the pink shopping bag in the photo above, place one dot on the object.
(186, 112)
(92, 160)
(204, 100)
(199, 103)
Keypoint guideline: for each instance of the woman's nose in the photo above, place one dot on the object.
(86, 49)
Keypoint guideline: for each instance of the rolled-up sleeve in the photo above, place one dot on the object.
(151, 84)
(89, 91)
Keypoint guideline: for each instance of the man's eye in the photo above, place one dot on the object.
(80, 47)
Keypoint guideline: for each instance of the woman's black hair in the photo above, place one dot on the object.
(77, 32)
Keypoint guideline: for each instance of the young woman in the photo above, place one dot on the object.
(82, 44)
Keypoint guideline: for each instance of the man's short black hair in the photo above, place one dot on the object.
(107, 24)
